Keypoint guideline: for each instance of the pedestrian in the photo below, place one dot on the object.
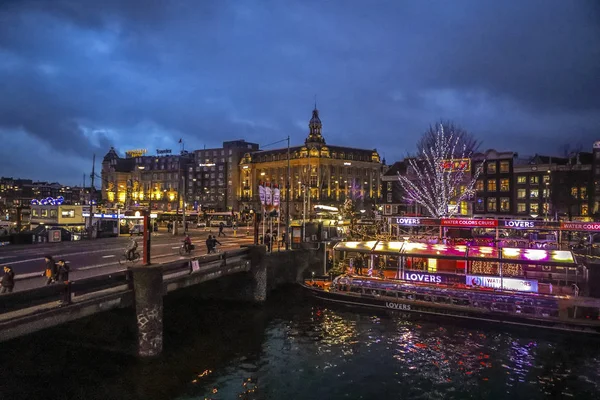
(268, 241)
(214, 243)
(8, 280)
(63, 276)
(359, 264)
(50, 272)
(221, 227)
(284, 241)
(209, 244)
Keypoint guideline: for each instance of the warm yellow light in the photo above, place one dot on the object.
(122, 197)
(486, 250)
(440, 247)
(431, 265)
(511, 252)
(171, 196)
(562, 256)
(111, 196)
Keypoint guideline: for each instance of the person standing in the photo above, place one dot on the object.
(214, 243)
(221, 227)
(50, 272)
(268, 241)
(209, 244)
(8, 280)
(63, 276)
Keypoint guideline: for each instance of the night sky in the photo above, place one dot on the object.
(77, 77)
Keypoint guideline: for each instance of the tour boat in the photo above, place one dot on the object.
(527, 287)
(563, 313)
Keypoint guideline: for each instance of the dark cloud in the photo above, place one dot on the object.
(76, 78)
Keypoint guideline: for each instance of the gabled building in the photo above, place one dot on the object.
(494, 185)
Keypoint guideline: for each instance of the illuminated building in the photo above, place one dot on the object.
(330, 174)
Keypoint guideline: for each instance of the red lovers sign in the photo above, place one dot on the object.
(469, 223)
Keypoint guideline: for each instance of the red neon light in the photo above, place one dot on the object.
(583, 226)
(470, 223)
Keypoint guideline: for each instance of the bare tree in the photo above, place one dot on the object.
(439, 174)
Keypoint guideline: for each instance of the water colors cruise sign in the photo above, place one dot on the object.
(580, 226)
(469, 223)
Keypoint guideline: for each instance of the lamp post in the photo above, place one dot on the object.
(147, 222)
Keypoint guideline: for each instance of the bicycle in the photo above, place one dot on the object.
(124, 259)
(183, 251)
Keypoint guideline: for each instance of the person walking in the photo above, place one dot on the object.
(63, 276)
(268, 241)
(7, 283)
(221, 227)
(214, 243)
(209, 244)
(50, 271)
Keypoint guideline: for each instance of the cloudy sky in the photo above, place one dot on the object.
(79, 76)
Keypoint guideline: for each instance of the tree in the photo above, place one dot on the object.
(439, 173)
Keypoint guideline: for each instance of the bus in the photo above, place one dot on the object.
(227, 218)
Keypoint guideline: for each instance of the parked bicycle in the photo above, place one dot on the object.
(124, 259)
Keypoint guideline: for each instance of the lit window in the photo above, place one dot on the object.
(522, 179)
(584, 209)
(534, 180)
(521, 207)
(504, 204)
(491, 204)
(521, 193)
(534, 193)
(491, 185)
(534, 208)
(504, 167)
(491, 167)
(546, 179)
(583, 193)
(504, 185)
(574, 192)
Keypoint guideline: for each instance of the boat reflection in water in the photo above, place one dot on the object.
(458, 288)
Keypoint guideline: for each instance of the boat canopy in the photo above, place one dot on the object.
(460, 252)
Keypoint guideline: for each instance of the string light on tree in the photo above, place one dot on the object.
(439, 175)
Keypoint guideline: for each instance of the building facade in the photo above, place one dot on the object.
(494, 185)
(319, 173)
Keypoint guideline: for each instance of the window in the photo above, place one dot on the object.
(389, 186)
(534, 193)
(491, 204)
(546, 179)
(521, 193)
(574, 192)
(491, 167)
(504, 204)
(504, 167)
(479, 185)
(35, 212)
(521, 207)
(504, 185)
(44, 213)
(68, 213)
(491, 185)
(583, 193)
(584, 209)
(534, 208)
(534, 179)
(53, 213)
(389, 197)
(521, 179)
(479, 206)
(546, 193)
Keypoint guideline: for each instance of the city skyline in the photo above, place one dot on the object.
(519, 75)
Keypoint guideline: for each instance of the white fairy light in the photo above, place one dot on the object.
(429, 183)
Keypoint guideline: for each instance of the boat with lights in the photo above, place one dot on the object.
(451, 281)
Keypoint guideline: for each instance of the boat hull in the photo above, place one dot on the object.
(451, 311)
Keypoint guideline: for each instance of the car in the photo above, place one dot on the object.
(201, 224)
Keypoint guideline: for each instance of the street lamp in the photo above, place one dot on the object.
(147, 221)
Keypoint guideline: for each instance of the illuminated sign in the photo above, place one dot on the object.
(408, 221)
(414, 276)
(397, 306)
(463, 164)
(519, 224)
(469, 223)
(520, 285)
(163, 151)
(135, 153)
(347, 163)
(206, 165)
(580, 226)
(48, 201)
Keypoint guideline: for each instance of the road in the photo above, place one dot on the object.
(100, 256)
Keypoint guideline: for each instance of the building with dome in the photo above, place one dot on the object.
(329, 174)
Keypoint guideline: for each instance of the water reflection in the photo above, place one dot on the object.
(335, 353)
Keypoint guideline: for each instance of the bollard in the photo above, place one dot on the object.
(148, 289)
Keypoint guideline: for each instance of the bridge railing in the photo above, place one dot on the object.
(88, 286)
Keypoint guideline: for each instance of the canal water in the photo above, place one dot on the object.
(296, 348)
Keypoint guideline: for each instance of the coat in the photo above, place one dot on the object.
(63, 273)
(8, 280)
(50, 269)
